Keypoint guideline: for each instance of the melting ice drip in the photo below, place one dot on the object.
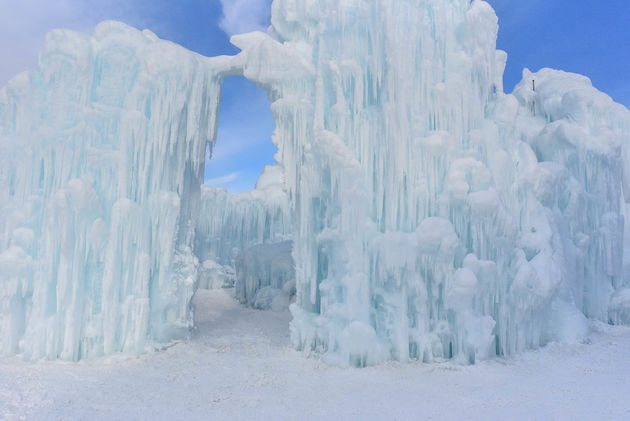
(432, 215)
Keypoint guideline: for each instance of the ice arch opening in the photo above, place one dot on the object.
(243, 146)
(103, 152)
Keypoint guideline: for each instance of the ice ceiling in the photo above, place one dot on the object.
(432, 215)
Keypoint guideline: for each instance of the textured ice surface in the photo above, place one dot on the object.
(102, 154)
(432, 215)
(230, 224)
(265, 276)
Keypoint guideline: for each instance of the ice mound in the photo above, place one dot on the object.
(432, 215)
(265, 276)
(620, 307)
(215, 276)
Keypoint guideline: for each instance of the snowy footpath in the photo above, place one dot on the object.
(238, 366)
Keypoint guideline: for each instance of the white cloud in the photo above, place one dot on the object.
(219, 181)
(240, 16)
(517, 14)
(24, 24)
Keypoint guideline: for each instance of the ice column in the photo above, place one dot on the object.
(434, 216)
(102, 151)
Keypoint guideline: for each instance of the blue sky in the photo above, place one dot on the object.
(583, 36)
(590, 37)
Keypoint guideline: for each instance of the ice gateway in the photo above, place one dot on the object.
(432, 215)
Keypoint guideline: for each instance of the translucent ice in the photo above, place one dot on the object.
(265, 276)
(102, 154)
(435, 216)
(432, 215)
(230, 224)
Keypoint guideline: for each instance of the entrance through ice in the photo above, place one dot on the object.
(242, 236)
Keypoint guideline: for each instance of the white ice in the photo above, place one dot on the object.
(228, 225)
(265, 276)
(432, 215)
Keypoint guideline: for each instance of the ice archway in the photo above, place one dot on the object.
(433, 216)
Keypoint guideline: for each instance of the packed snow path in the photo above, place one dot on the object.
(239, 365)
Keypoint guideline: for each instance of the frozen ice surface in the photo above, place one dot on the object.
(432, 215)
(230, 224)
(620, 307)
(102, 154)
(435, 216)
(265, 276)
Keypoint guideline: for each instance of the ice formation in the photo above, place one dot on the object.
(230, 224)
(432, 215)
(102, 155)
(243, 241)
(265, 276)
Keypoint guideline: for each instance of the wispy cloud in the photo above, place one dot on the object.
(518, 13)
(231, 143)
(219, 181)
(240, 16)
(24, 23)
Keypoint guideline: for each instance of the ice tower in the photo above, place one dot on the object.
(432, 215)
(102, 154)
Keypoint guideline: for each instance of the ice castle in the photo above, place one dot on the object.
(432, 215)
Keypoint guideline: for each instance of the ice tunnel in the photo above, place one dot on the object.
(432, 215)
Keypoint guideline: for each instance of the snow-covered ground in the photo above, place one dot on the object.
(239, 365)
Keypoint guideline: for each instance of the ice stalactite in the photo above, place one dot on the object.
(102, 155)
(265, 276)
(435, 216)
(229, 224)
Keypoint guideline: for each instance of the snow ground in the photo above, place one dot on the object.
(238, 365)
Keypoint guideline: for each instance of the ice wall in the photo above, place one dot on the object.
(229, 224)
(265, 276)
(580, 138)
(378, 102)
(434, 216)
(101, 161)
